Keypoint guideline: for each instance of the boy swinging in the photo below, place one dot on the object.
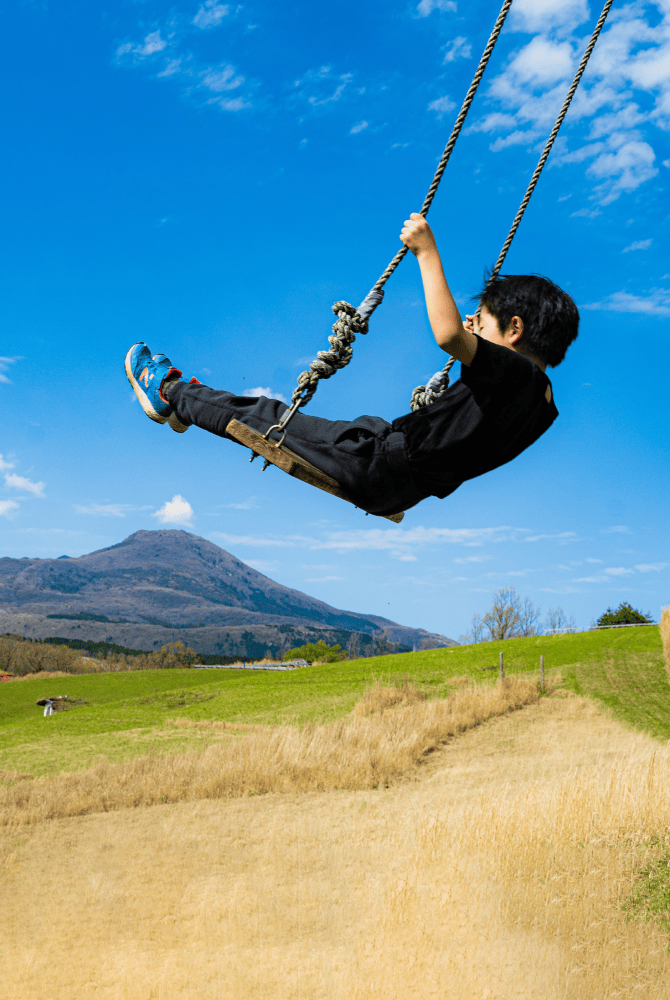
(501, 404)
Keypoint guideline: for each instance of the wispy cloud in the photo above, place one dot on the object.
(618, 571)
(152, 44)
(608, 130)
(651, 567)
(323, 579)
(106, 509)
(655, 303)
(251, 503)
(259, 390)
(175, 511)
(211, 14)
(4, 464)
(15, 482)
(7, 507)
(638, 245)
(457, 48)
(616, 529)
(427, 7)
(358, 127)
(4, 365)
(441, 106)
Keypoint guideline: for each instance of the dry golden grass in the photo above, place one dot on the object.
(470, 884)
(665, 635)
(357, 752)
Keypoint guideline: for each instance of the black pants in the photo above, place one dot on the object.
(366, 456)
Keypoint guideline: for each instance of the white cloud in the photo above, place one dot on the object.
(4, 365)
(251, 503)
(222, 78)
(618, 571)
(105, 509)
(545, 15)
(458, 48)
(561, 536)
(638, 245)
(321, 80)
(266, 391)
(175, 511)
(7, 506)
(441, 106)
(632, 55)
(21, 483)
(4, 464)
(616, 529)
(655, 303)
(427, 7)
(358, 127)
(211, 14)
(651, 567)
(152, 44)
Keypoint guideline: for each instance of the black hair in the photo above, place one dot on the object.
(550, 317)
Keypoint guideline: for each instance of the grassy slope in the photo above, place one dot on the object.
(126, 714)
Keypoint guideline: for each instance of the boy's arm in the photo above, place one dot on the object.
(445, 319)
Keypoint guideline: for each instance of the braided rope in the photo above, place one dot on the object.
(351, 321)
(420, 396)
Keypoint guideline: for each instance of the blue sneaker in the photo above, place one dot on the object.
(173, 420)
(147, 376)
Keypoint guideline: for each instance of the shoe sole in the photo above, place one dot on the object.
(176, 424)
(144, 400)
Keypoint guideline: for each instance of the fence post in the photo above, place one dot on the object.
(502, 672)
(542, 668)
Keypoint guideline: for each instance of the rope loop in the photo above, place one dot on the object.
(348, 323)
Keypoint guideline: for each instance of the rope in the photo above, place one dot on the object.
(422, 395)
(350, 320)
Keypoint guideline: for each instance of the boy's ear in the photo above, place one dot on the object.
(515, 330)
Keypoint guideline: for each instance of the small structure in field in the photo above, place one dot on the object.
(5, 676)
(61, 703)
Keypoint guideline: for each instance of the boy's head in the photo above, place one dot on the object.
(550, 317)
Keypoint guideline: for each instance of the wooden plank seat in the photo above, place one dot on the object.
(288, 461)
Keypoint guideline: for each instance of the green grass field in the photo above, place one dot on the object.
(127, 714)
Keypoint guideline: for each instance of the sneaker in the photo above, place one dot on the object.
(147, 377)
(173, 420)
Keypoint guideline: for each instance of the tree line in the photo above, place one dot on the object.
(512, 616)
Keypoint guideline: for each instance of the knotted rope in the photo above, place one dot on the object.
(351, 321)
(424, 394)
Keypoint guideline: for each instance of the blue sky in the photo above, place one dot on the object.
(210, 178)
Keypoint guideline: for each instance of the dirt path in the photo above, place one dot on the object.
(317, 896)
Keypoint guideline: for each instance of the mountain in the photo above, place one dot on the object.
(157, 584)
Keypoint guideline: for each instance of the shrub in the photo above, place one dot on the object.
(624, 615)
(317, 651)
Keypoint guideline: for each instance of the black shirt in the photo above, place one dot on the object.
(495, 411)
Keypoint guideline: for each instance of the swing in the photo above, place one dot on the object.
(351, 321)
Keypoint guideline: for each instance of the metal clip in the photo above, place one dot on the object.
(267, 462)
(254, 455)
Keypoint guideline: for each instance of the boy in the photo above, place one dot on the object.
(501, 404)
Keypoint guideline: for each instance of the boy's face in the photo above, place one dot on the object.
(485, 325)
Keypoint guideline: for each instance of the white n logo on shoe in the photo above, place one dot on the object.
(146, 377)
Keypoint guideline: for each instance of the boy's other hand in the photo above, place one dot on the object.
(417, 235)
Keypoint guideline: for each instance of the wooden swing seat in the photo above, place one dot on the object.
(288, 461)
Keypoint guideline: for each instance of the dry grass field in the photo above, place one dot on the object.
(495, 870)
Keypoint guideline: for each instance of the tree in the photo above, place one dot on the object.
(175, 654)
(557, 621)
(502, 620)
(475, 633)
(529, 616)
(317, 651)
(625, 615)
